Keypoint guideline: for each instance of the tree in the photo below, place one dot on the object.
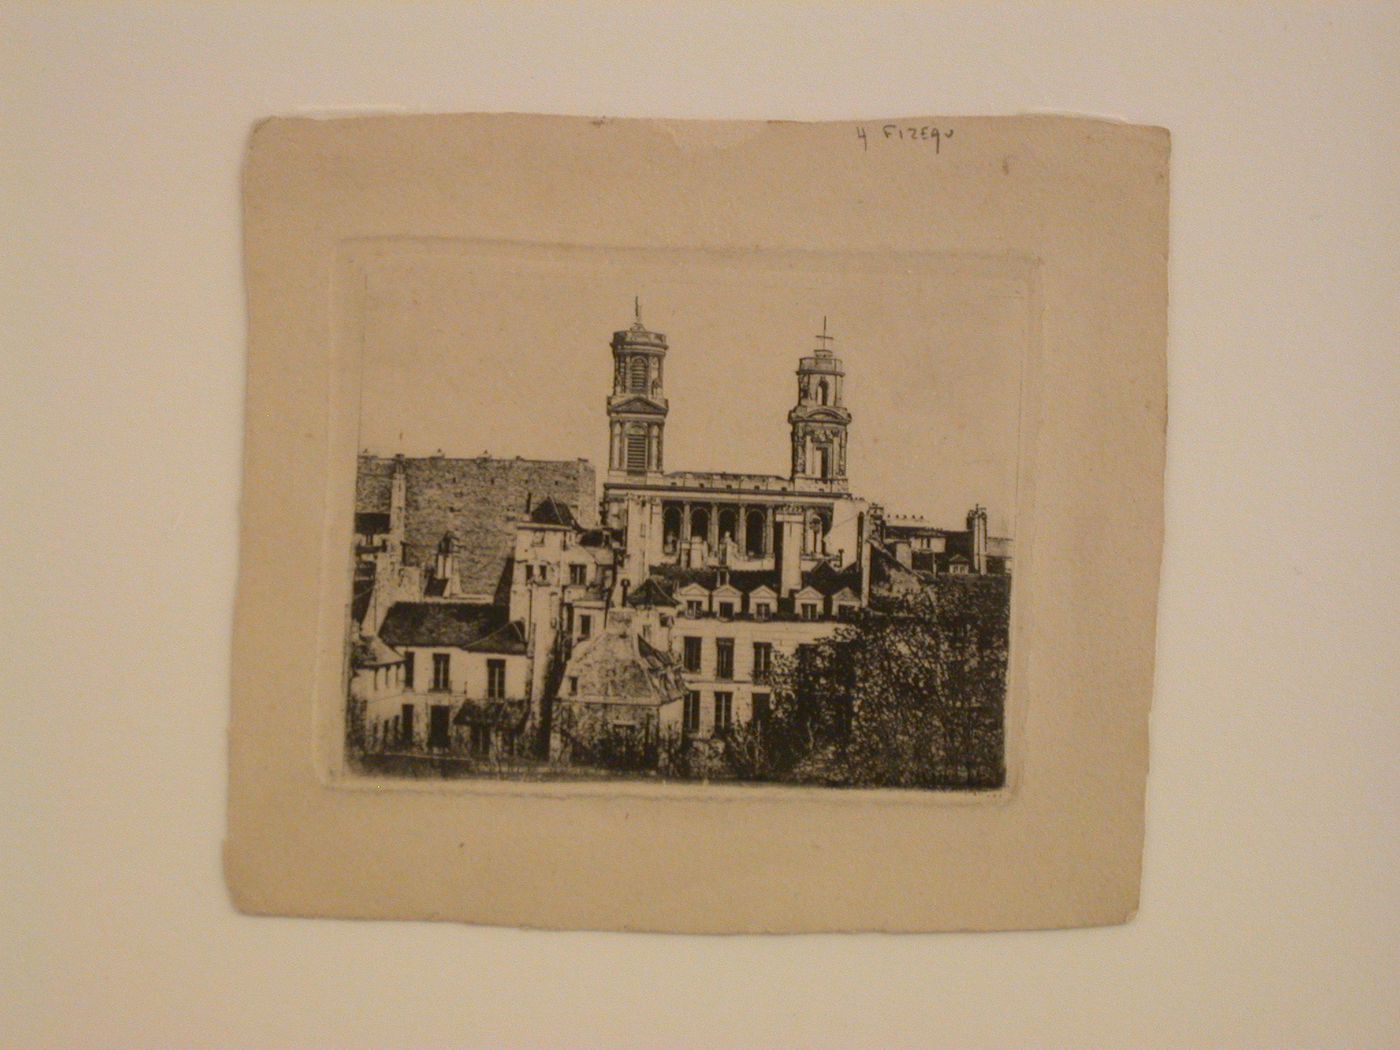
(911, 693)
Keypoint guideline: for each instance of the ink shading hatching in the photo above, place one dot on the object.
(689, 625)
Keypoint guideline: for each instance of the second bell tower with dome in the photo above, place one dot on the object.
(820, 420)
(637, 406)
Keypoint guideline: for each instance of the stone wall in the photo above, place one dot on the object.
(479, 500)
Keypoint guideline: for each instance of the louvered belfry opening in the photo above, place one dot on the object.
(636, 453)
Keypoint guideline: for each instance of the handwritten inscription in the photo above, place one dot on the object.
(926, 133)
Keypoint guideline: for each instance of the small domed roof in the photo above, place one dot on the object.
(638, 336)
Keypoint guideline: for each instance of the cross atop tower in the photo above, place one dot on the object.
(637, 308)
(825, 339)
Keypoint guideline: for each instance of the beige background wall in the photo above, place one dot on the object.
(1270, 912)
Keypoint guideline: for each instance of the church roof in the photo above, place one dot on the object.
(637, 334)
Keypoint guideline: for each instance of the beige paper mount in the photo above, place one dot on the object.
(1069, 213)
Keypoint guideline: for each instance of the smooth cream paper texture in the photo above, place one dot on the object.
(1043, 239)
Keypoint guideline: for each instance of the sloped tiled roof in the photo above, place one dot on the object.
(453, 624)
(362, 593)
(371, 523)
(508, 640)
(828, 580)
(649, 593)
(616, 666)
(744, 579)
(549, 511)
(373, 652)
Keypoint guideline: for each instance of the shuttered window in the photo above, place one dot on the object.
(637, 452)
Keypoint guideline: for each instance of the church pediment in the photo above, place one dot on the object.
(639, 406)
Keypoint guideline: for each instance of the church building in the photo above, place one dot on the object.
(501, 578)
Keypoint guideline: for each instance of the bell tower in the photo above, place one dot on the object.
(819, 420)
(637, 405)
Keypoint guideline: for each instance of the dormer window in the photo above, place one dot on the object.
(694, 607)
(726, 610)
(808, 610)
(762, 611)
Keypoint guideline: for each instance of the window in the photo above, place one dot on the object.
(754, 529)
(480, 739)
(726, 610)
(573, 685)
(809, 610)
(671, 528)
(442, 674)
(846, 610)
(495, 679)
(408, 669)
(585, 626)
(728, 524)
(761, 710)
(692, 654)
(636, 451)
(700, 523)
(693, 607)
(762, 611)
(578, 574)
(439, 726)
(637, 375)
(646, 632)
(692, 712)
(406, 725)
(724, 657)
(724, 711)
(762, 658)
